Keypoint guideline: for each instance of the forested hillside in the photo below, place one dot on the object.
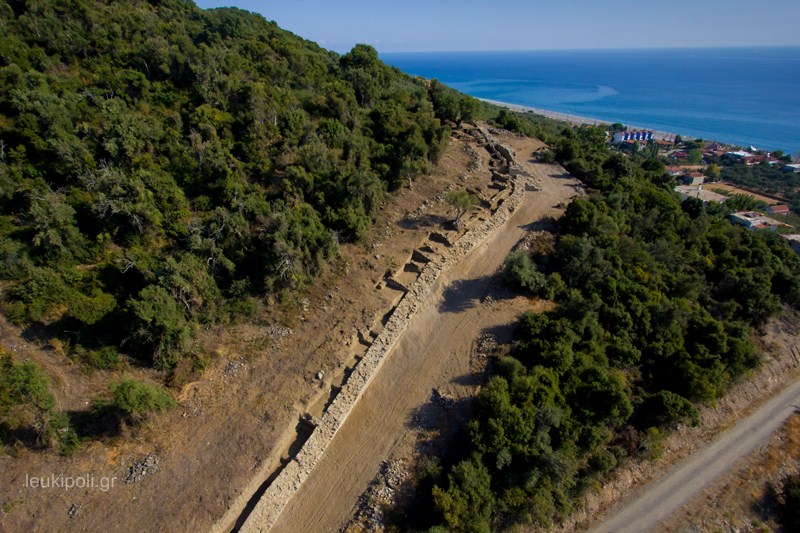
(164, 167)
(657, 304)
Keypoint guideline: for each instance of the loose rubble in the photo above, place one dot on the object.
(277, 333)
(382, 494)
(141, 469)
(486, 345)
(74, 509)
(233, 367)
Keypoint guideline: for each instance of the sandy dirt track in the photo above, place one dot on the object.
(434, 350)
(657, 501)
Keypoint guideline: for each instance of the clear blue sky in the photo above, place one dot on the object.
(444, 25)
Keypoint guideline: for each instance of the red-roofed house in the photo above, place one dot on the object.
(673, 170)
(779, 209)
(754, 159)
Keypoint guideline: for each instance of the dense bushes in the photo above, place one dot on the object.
(656, 305)
(163, 167)
(514, 122)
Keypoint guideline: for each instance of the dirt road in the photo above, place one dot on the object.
(433, 352)
(651, 507)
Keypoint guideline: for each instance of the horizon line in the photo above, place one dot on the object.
(602, 49)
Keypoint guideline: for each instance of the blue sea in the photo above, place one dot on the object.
(743, 96)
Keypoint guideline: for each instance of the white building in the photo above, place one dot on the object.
(754, 220)
(637, 135)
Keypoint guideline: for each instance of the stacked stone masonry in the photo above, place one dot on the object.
(288, 482)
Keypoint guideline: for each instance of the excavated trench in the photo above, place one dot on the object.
(328, 409)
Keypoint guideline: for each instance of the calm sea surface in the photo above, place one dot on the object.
(745, 96)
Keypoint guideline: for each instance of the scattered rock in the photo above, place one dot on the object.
(277, 333)
(233, 367)
(320, 375)
(486, 344)
(141, 469)
(381, 494)
(74, 509)
(395, 473)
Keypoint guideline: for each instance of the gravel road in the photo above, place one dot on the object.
(659, 499)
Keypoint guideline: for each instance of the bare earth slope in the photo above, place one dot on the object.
(436, 343)
(657, 501)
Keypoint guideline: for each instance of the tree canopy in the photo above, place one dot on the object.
(165, 167)
(657, 302)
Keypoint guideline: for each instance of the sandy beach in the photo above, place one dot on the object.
(575, 119)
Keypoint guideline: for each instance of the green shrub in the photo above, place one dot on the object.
(468, 502)
(134, 400)
(89, 309)
(59, 434)
(514, 122)
(161, 325)
(23, 384)
(42, 294)
(105, 358)
(665, 409)
(521, 272)
(463, 202)
(26, 401)
(547, 156)
(652, 444)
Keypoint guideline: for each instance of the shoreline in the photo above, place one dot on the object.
(577, 119)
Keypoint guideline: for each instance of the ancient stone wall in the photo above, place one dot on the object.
(283, 488)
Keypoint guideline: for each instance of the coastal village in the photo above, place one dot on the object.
(699, 168)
